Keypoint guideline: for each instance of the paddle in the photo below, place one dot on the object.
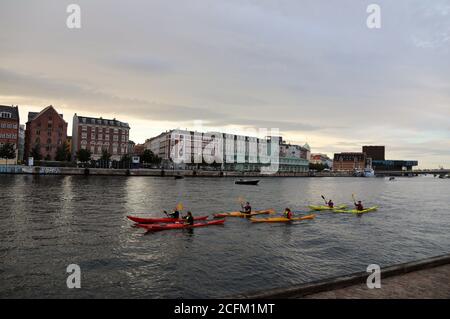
(354, 200)
(324, 199)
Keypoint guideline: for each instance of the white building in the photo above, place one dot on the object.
(183, 149)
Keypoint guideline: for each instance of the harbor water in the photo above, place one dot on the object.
(50, 222)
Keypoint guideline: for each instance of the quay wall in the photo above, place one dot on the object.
(37, 170)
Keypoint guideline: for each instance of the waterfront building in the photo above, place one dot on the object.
(45, 132)
(130, 147)
(21, 150)
(323, 159)
(139, 149)
(9, 129)
(349, 161)
(98, 134)
(184, 149)
(376, 158)
(376, 153)
(394, 165)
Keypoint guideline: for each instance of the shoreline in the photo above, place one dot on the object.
(37, 170)
(416, 279)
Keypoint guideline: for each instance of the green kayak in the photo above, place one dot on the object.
(354, 211)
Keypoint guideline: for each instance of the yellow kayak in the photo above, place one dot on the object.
(354, 211)
(318, 207)
(281, 219)
(241, 214)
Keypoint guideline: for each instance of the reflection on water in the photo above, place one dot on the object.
(49, 222)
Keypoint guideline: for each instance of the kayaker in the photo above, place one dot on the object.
(359, 206)
(189, 219)
(175, 214)
(247, 208)
(288, 213)
(330, 203)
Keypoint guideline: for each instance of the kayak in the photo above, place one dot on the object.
(315, 207)
(158, 227)
(241, 214)
(281, 219)
(354, 211)
(141, 220)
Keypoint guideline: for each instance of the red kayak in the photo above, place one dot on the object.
(180, 225)
(141, 220)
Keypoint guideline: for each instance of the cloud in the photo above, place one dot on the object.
(311, 68)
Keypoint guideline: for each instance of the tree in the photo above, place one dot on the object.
(7, 151)
(125, 160)
(150, 158)
(36, 152)
(105, 155)
(83, 155)
(318, 167)
(147, 156)
(62, 153)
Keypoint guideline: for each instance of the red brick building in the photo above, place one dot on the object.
(9, 128)
(98, 134)
(45, 130)
(349, 161)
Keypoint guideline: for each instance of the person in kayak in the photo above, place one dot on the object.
(359, 206)
(189, 219)
(175, 214)
(330, 203)
(247, 208)
(288, 213)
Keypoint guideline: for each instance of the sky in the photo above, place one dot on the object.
(312, 69)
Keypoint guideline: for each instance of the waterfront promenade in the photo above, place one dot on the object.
(427, 278)
(36, 170)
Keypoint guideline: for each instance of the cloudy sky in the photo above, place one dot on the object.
(310, 68)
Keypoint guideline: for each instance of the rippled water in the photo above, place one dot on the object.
(49, 222)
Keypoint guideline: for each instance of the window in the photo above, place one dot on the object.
(107, 137)
(84, 135)
(6, 115)
(116, 138)
(92, 136)
(84, 128)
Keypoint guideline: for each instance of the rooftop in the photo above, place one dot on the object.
(101, 121)
(13, 110)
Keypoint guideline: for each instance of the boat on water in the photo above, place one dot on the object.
(178, 177)
(247, 182)
(368, 172)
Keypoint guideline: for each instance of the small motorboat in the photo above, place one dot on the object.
(179, 177)
(247, 182)
(392, 178)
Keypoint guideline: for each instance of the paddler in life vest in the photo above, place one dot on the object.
(288, 213)
(330, 204)
(189, 219)
(175, 214)
(247, 208)
(359, 206)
